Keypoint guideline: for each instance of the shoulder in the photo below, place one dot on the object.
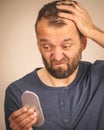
(93, 69)
(98, 64)
(24, 83)
(96, 71)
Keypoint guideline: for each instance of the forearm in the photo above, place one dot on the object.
(97, 35)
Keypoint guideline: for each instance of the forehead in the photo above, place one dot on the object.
(44, 27)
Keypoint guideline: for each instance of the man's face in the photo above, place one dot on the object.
(60, 47)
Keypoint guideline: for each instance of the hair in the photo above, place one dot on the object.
(50, 12)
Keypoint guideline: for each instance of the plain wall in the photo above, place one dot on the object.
(18, 50)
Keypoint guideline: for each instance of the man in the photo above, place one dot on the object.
(71, 91)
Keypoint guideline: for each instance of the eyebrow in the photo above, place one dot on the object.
(46, 41)
(43, 40)
(68, 39)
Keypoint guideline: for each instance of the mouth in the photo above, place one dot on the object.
(62, 63)
(58, 64)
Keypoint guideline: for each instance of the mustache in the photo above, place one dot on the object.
(62, 61)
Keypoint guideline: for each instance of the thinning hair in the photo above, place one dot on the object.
(50, 12)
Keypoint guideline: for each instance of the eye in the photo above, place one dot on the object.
(47, 47)
(66, 46)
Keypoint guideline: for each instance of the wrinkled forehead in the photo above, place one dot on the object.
(57, 24)
(69, 29)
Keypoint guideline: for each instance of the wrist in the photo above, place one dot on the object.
(97, 35)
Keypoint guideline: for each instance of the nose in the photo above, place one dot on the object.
(58, 54)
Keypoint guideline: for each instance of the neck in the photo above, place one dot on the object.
(49, 80)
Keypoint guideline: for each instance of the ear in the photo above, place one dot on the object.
(84, 42)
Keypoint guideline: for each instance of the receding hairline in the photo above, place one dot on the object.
(50, 13)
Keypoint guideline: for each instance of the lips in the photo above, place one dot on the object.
(59, 63)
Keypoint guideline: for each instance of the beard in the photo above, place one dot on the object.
(60, 72)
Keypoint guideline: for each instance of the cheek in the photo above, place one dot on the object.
(76, 49)
(75, 53)
(46, 56)
(70, 54)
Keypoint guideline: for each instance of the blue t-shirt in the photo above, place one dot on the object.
(79, 106)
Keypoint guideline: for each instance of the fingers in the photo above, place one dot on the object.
(17, 113)
(68, 3)
(23, 119)
(70, 6)
(68, 9)
(74, 11)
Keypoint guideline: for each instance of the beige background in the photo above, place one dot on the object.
(18, 50)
